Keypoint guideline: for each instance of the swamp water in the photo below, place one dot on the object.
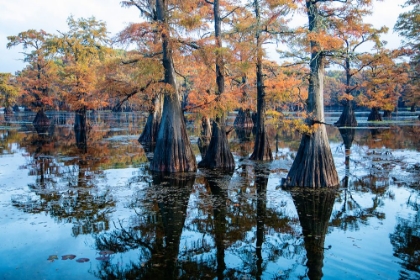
(75, 211)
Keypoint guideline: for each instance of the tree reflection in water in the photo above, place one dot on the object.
(314, 209)
(406, 240)
(155, 232)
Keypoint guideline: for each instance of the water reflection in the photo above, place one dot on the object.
(239, 225)
(405, 240)
(155, 231)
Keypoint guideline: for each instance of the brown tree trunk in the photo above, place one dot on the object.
(205, 136)
(151, 129)
(348, 136)
(41, 118)
(387, 113)
(81, 129)
(374, 115)
(218, 154)
(173, 152)
(8, 110)
(314, 166)
(243, 119)
(314, 208)
(262, 150)
(347, 117)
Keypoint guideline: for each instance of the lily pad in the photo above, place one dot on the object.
(82, 260)
(52, 258)
(68, 257)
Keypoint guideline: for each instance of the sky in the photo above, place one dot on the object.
(51, 15)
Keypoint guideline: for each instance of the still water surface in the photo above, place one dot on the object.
(102, 209)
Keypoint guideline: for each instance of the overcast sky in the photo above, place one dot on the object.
(50, 15)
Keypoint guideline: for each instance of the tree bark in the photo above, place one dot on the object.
(41, 118)
(151, 129)
(173, 152)
(347, 117)
(374, 115)
(348, 136)
(314, 166)
(387, 113)
(81, 129)
(218, 155)
(262, 150)
(205, 136)
(243, 119)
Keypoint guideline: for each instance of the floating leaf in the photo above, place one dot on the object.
(52, 258)
(82, 260)
(68, 257)
(106, 252)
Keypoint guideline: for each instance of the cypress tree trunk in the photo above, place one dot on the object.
(243, 119)
(374, 115)
(413, 107)
(314, 164)
(314, 209)
(262, 150)
(81, 129)
(41, 118)
(173, 152)
(218, 154)
(8, 110)
(387, 113)
(347, 117)
(150, 131)
(348, 136)
(205, 136)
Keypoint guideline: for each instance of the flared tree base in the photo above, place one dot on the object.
(314, 165)
(150, 130)
(243, 119)
(262, 150)
(41, 119)
(218, 154)
(347, 117)
(374, 115)
(173, 152)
